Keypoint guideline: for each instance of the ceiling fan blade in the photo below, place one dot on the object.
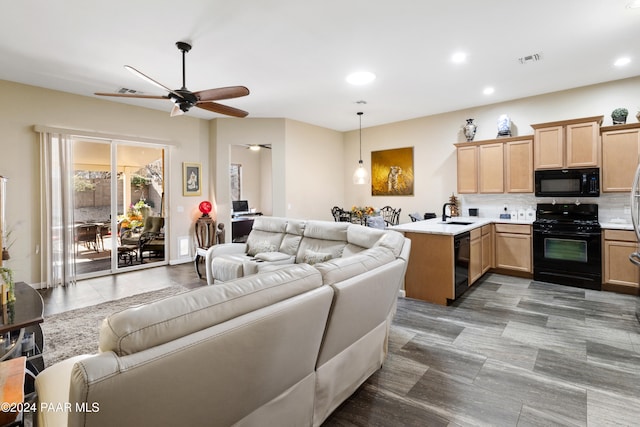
(221, 93)
(150, 80)
(131, 95)
(222, 109)
(176, 111)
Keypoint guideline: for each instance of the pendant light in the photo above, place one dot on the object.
(360, 176)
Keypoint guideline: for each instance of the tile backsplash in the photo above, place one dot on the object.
(610, 205)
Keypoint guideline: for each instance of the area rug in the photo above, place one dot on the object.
(75, 332)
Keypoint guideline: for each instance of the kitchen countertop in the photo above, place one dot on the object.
(436, 226)
(617, 225)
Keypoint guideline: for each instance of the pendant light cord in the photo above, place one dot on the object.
(360, 114)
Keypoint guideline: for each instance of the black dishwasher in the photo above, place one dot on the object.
(461, 250)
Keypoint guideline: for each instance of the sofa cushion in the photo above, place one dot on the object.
(232, 266)
(292, 237)
(274, 256)
(266, 232)
(324, 237)
(360, 237)
(312, 257)
(392, 240)
(339, 269)
(260, 246)
(138, 328)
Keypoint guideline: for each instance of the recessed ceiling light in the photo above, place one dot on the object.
(458, 57)
(361, 78)
(621, 62)
(488, 90)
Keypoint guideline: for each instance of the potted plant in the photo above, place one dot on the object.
(619, 116)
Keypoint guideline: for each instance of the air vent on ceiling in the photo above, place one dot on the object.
(530, 58)
(129, 91)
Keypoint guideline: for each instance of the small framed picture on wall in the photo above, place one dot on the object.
(191, 179)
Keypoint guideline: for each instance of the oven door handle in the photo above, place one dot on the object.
(635, 258)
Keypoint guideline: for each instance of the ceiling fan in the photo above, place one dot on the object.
(184, 99)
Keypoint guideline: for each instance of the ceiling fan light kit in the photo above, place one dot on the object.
(184, 99)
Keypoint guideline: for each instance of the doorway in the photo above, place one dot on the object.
(118, 206)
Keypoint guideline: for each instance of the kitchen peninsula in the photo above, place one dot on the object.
(447, 257)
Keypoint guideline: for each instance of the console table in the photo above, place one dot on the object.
(20, 317)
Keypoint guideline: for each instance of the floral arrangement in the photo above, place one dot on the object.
(133, 218)
(363, 211)
(7, 279)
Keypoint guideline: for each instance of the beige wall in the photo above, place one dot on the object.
(20, 159)
(311, 166)
(433, 137)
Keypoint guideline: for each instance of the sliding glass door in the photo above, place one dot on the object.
(118, 206)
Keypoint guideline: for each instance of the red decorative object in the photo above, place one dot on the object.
(205, 207)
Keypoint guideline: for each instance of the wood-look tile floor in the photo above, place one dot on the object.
(510, 352)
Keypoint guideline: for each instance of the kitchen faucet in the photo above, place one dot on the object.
(444, 211)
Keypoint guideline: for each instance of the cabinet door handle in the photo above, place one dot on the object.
(635, 258)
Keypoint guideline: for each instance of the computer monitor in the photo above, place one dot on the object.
(240, 205)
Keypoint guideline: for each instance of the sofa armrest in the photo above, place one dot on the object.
(52, 387)
(223, 249)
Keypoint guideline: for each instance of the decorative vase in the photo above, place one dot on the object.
(619, 116)
(504, 126)
(470, 130)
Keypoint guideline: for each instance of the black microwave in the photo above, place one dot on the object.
(568, 183)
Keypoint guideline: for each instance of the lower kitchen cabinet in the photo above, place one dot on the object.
(513, 249)
(481, 253)
(475, 257)
(620, 275)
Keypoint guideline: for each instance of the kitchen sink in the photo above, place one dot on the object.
(456, 222)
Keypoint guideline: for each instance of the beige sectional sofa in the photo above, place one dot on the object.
(282, 346)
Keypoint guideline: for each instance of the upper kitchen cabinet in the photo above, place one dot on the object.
(518, 163)
(467, 163)
(620, 151)
(496, 166)
(567, 144)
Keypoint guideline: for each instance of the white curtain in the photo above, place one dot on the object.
(57, 239)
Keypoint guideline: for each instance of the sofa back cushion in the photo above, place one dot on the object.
(292, 236)
(321, 238)
(266, 235)
(139, 328)
(340, 269)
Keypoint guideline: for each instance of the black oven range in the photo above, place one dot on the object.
(567, 246)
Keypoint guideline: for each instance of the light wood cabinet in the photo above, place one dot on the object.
(513, 250)
(467, 162)
(567, 144)
(491, 168)
(475, 257)
(430, 272)
(495, 166)
(620, 152)
(518, 163)
(487, 248)
(620, 275)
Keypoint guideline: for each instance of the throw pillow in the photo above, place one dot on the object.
(312, 257)
(261, 246)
